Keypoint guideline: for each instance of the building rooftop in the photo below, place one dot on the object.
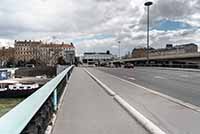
(168, 47)
(28, 41)
(92, 53)
(54, 45)
(51, 45)
(189, 44)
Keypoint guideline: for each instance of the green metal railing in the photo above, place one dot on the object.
(16, 120)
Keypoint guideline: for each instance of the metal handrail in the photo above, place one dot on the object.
(17, 118)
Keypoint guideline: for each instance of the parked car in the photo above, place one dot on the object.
(128, 65)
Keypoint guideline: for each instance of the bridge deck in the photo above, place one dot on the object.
(88, 109)
(169, 115)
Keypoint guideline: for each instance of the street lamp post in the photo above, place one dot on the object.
(119, 50)
(148, 4)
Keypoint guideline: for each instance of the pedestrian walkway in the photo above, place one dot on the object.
(88, 109)
(171, 117)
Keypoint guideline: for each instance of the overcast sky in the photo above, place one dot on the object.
(98, 25)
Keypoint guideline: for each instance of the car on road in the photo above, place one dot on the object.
(128, 65)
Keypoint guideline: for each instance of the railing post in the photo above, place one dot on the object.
(68, 75)
(55, 100)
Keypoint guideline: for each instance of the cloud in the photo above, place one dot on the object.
(97, 25)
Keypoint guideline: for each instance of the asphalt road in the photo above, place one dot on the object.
(183, 85)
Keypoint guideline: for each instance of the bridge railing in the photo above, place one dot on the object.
(33, 115)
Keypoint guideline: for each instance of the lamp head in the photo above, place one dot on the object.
(149, 3)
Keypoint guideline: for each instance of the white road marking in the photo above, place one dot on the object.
(185, 76)
(131, 78)
(159, 77)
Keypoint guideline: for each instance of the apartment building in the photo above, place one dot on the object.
(27, 50)
(44, 53)
(49, 53)
(174, 50)
(168, 50)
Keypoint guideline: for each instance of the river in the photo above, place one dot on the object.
(7, 104)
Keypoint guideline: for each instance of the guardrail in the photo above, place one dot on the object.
(195, 66)
(162, 57)
(33, 115)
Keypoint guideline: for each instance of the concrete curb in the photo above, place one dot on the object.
(146, 123)
(107, 89)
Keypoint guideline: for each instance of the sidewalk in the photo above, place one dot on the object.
(88, 109)
(171, 117)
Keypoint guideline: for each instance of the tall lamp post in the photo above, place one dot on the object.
(148, 4)
(119, 50)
